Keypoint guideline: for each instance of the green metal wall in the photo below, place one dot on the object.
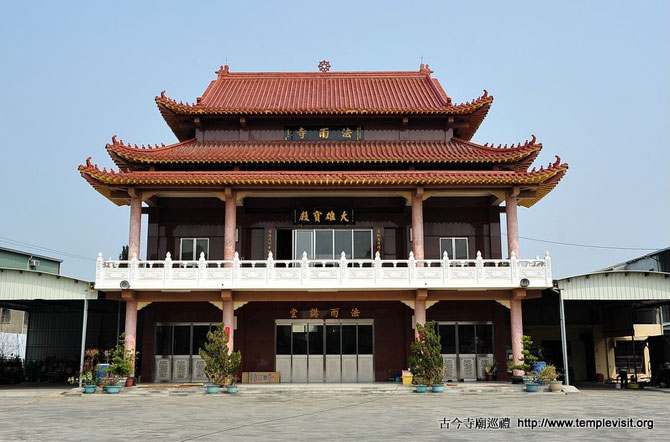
(15, 260)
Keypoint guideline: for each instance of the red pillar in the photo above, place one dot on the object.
(130, 341)
(512, 224)
(516, 317)
(135, 226)
(134, 236)
(417, 224)
(419, 310)
(229, 317)
(230, 220)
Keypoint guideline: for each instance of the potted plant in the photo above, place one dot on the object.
(221, 364)
(110, 384)
(530, 382)
(420, 383)
(121, 361)
(527, 360)
(425, 362)
(490, 371)
(437, 377)
(549, 376)
(87, 381)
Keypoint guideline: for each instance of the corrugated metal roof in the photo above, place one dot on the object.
(21, 285)
(34, 255)
(617, 286)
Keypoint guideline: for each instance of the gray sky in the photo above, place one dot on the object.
(590, 79)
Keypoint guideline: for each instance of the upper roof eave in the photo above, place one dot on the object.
(292, 151)
(543, 180)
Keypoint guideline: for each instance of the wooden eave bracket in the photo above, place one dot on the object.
(226, 295)
(405, 123)
(498, 197)
(239, 198)
(407, 195)
(134, 193)
(128, 295)
(421, 294)
(518, 294)
(219, 195)
(243, 123)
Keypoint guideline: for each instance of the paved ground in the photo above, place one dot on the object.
(48, 414)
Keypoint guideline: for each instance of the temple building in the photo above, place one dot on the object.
(321, 215)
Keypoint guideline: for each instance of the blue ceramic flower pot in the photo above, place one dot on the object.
(421, 388)
(213, 389)
(531, 388)
(89, 389)
(232, 389)
(113, 389)
(437, 388)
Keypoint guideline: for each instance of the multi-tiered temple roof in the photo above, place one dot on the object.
(451, 163)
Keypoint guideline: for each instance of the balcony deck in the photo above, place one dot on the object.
(324, 274)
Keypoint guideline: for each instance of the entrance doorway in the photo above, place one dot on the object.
(467, 348)
(176, 356)
(324, 350)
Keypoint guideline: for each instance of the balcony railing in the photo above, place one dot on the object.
(324, 274)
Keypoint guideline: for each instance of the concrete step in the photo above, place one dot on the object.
(323, 389)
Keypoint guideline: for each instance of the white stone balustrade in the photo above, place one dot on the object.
(324, 274)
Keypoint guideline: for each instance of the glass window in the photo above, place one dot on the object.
(283, 339)
(315, 339)
(333, 339)
(447, 245)
(365, 339)
(163, 340)
(201, 246)
(461, 248)
(456, 248)
(299, 339)
(343, 243)
(199, 337)
(466, 339)
(323, 248)
(182, 340)
(6, 316)
(362, 244)
(447, 334)
(303, 243)
(186, 249)
(484, 338)
(192, 247)
(348, 339)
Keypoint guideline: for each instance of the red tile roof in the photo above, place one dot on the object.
(544, 179)
(324, 93)
(280, 151)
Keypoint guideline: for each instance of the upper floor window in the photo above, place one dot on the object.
(6, 316)
(456, 248)
(191, 248)
(330, 243)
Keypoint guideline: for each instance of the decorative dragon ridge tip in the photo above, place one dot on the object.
(514, 146)
(118, 142)
(94, 168)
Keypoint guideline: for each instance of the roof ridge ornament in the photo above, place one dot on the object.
(223, 70)
(425, 69)
(324, 66)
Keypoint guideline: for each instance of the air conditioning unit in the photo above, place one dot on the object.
(34, 263)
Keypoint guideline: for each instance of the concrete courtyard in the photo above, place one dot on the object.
(51, 414)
